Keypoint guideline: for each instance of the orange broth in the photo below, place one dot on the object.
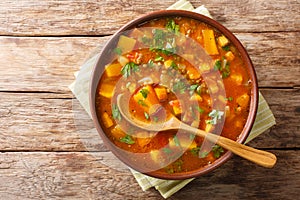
(210, 91)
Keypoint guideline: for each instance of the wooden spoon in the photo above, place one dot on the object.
(262, 158)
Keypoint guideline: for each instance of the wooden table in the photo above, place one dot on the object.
(43, 156)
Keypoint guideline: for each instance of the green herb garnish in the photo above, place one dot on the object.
(167, 150)
(127, 139)
(215, 116)
(200, 110)
(118, 51)
(142, 103)
(217, 150)
(172, 26)
(174, 65)
(146, 115)
(144, 92)
(229, 99)
(115, 112)
(130, 67)
(226, 48)
(217, 65)
(150, 63)
(179, 86)
(195, 151)
(176, 141)
(158, 58)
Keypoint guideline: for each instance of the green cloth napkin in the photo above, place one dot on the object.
(80, 88)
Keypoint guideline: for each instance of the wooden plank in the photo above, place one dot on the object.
(34, 175)
(75, 17)
(43, 64)
(47, 64)
(55, 122)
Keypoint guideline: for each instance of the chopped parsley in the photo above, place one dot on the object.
(127, 139)
(180, 87)
(146, 115)
(223, 67)
(217, 150)
(167, 150)
(200, 110)
(215, 116)
(142, 103)
(195, 151)
(158, 58)
(144, 92)
(150, 63)
(115, 112)
(172, 26)
(226, 48)
(118, 51)
(174, 65)
(130, 67)
(217, 65)
(176, 141)
(229, 99)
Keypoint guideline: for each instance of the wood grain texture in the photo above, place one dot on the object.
(47, 64)
(98, 17)
(87, 176)
(55, 122)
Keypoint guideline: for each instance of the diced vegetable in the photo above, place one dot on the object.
(107, 121)
(112, 70)
(150, 100)
(196, 97)
(168, 63)
(222, 41)
(155, 156)
(209, 128)
(176, 107)
(210, 42)
(143, 138)
(193, 73)
(117, 132)
(185, 143)
(127, 139)
(161, 93)
(229, 56)
(106, 90)
(238, 78)
(123, 60)
(243, 100)
(126, 44)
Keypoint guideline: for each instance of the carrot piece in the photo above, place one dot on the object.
(210, 42)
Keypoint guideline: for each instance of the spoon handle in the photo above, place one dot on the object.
(262, 158)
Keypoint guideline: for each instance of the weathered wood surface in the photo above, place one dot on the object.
(90, 17)
(47, 64)
(86, 176)
(48, 151)
(55, 122)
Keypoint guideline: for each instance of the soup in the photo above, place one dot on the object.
(180, 67)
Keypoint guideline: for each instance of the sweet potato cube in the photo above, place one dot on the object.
(126, 44)
(176, 107)
(117, 132)
(243, 100)
(161, 93)
(229, 56)
(150, 100)
(222, 41)
(106, 90)
(114, 69)
(107, 121)
(210, 42)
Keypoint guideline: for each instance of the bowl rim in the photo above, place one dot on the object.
(244, 54)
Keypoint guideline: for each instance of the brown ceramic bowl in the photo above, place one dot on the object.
(104, 59)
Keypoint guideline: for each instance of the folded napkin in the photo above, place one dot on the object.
(80, 88)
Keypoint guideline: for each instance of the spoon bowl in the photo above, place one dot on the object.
(262, 158)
